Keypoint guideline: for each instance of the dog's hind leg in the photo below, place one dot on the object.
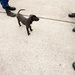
(27, 31)
(19, 22)
(31, 28)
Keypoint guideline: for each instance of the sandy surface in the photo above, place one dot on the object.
(49, 50)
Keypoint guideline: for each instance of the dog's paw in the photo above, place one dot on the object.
(19, 25)
(31, 30)
(73, 65)
(73, 29)
(28, 34)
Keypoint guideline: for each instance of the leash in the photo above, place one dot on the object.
(55, 19)
(48, 19)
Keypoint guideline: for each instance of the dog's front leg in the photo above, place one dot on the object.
(27, 31)
(31, 29)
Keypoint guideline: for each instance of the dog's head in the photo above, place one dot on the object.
(34, 18)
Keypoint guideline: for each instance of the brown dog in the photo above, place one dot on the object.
(26, 21)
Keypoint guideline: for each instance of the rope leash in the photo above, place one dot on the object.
(49, 19)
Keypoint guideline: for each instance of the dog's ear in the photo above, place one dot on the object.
(31, 17)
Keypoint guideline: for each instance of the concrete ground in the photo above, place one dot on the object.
(49, 50)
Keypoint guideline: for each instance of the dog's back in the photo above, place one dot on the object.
(20, 17)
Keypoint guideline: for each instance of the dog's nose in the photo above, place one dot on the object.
(38, 19)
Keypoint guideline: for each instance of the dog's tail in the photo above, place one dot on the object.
(20, 10)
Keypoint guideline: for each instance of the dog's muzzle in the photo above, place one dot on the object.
(36, 19)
